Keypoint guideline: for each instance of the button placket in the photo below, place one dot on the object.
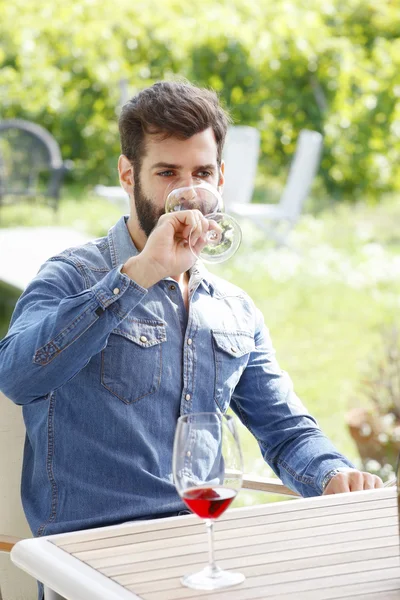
(187, 392)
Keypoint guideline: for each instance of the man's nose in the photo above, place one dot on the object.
(189, 192)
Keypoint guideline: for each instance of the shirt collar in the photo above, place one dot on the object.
(121, 243)
(122, 248)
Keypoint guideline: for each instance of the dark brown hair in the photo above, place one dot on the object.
(170, 109)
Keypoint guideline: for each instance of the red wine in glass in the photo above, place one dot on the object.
(208, 471)
(208, 502)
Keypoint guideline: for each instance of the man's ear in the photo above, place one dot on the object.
(221, 180)
(125, 170)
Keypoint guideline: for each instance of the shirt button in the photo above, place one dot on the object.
(233, 350)
(116, 291)
(189, 342)
(187, 397)
(143, 338)
(172, 287)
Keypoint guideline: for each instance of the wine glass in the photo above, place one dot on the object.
(208, 472)
(224, 235)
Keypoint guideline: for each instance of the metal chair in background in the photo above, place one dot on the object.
(31, 165)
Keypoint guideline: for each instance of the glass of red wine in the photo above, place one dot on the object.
(208, 472)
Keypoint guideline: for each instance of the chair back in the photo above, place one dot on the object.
(302, 171)
(30, 161)
(240, 154)
(15, 584)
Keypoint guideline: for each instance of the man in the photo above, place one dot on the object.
(112, 341)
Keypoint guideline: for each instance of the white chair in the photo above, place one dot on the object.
(114, 194)
(14, 583)
(241, 151)
(241, 157)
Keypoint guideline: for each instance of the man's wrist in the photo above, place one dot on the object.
(331, 474)
(141, 272)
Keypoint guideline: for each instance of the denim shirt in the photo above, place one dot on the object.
(103, 369)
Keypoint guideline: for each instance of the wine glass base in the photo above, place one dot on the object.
(208, 579)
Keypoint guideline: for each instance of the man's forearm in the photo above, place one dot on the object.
(308, 478)
(50, 341)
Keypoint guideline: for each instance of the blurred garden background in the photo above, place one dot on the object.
(332, 299)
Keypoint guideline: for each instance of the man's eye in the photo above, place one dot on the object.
(204, 174)
(165, 173)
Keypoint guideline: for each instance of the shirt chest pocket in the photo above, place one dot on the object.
(131, 363)
(231, 355)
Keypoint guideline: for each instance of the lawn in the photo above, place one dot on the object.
(325, 300)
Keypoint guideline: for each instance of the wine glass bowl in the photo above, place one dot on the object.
(224, 235)
(208, 472)
(199, 194)
(222, 241)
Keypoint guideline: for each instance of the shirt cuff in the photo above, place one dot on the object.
(119, 290)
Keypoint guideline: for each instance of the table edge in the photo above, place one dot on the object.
(64, 573)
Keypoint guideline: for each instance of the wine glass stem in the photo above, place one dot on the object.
(211, 561)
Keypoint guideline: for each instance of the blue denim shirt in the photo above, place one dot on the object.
(103, 369)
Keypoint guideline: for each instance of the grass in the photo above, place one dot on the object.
(79, 208)
(324, 302)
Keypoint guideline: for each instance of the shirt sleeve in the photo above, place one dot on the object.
(58, 325)
(288, 436)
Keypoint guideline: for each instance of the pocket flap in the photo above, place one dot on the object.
(235, 343)
(143, 333)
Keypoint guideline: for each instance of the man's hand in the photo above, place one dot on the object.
(167, 251)
(352, 481)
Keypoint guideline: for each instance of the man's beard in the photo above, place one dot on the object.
(147, 213)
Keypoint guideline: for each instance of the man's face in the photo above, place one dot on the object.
(169, 161)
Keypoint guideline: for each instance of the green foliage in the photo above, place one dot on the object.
(328, 65)
(8, 297)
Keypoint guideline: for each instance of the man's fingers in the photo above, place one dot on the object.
(376, 482)
(186, 224)
(198, 230)
(356, 481)
(369, 481)
(185, 227)
(215, 232)
(352, 481)
(364, 481)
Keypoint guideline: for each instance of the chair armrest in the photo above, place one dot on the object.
(7, 542)
(267, 484)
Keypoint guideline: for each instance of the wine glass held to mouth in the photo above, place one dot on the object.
(224, 235)
(208, 472)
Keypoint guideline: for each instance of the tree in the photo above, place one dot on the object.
(329, 65)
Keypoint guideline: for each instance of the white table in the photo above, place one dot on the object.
(341, 546)
(24, 249)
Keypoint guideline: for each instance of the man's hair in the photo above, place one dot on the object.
(170, 109)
